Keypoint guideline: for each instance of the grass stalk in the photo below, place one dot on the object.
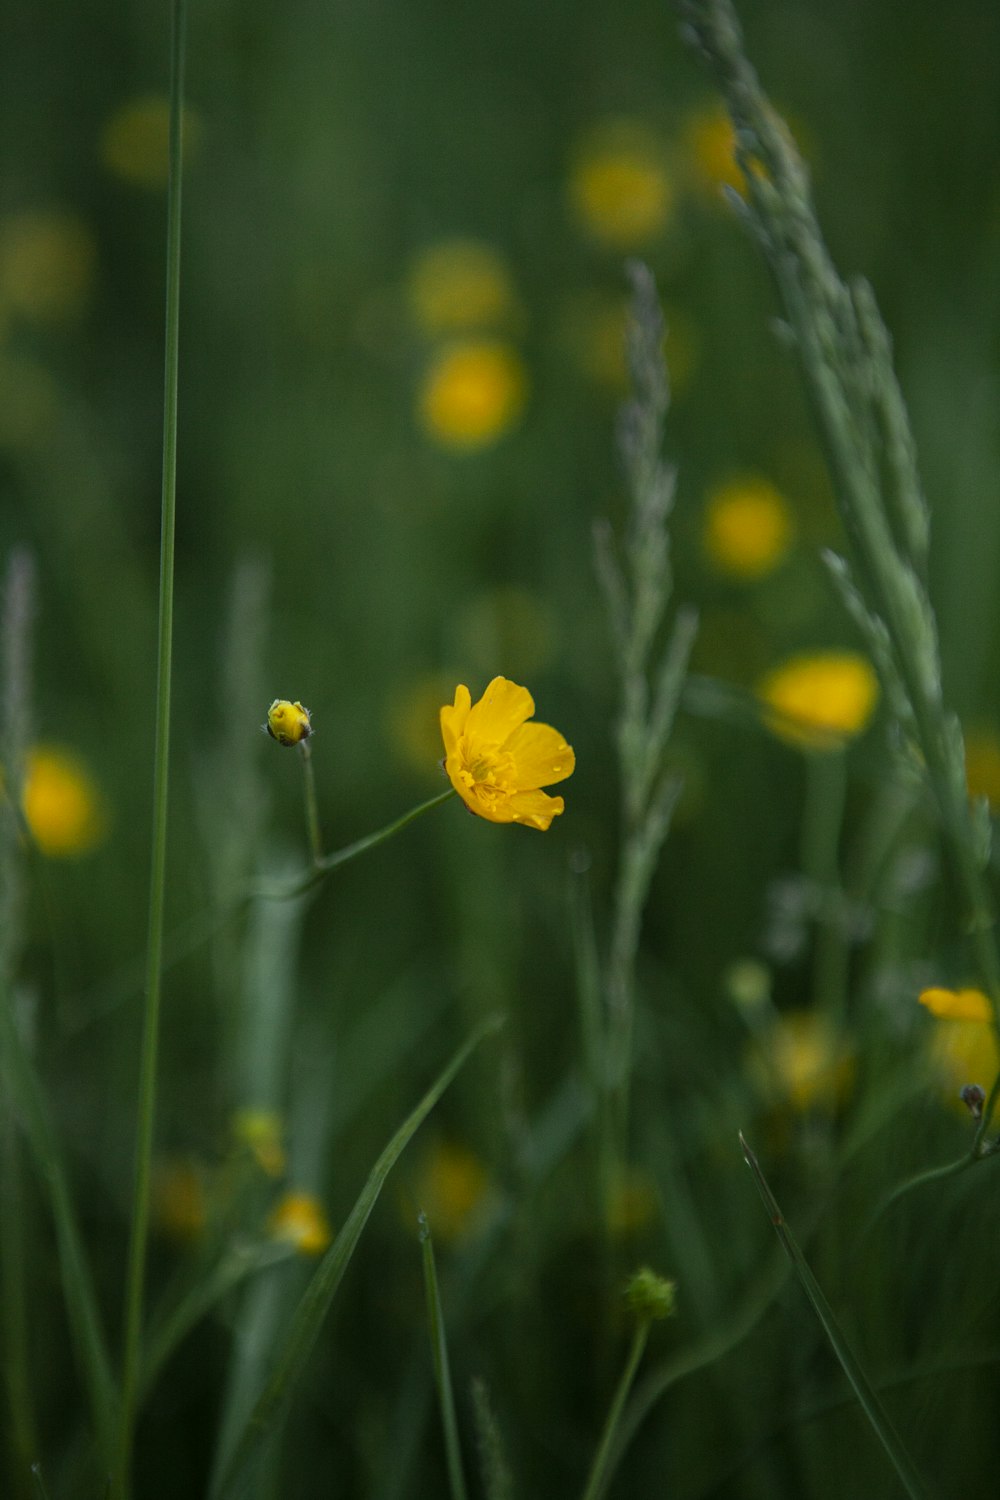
(139, 1234)
(294, 1348)
(872, 1407)
(442, 1369)
(600, 1469)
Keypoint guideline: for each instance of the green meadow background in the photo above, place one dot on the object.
(336, 546)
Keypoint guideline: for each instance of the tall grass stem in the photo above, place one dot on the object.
(442, 1368)
(135, 1275)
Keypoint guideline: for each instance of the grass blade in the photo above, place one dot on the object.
(442, 1370)
(293, 1353)
(870, 1403)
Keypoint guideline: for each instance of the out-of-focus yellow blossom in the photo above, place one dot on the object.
(260, 1130)
(300, 1219)
(497, 761)
(61, 802)
(460, 286)
(619, 186)
(288, 723)
(472, 393)
(179, 1199)
(633, 1201)
(135, 140)
(452, 1189)
(748, 528)
(820, 699)
(963, 1051)
(507, 624)
(595, 334)
(413, 721)
(982, 764)
(802, 1063)
(956, 1005)
(47, 263)
(711, 147)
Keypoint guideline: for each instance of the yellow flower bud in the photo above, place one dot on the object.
(299, 1219)
(288, 723)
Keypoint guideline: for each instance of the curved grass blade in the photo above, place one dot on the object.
(442, 1370)
(292, 1354)
(863, 1389)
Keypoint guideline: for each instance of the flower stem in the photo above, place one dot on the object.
(600, 1468)
(312, 808)
(135, 1276)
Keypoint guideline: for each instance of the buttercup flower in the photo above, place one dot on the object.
(711, 143)
(288, 723)
(472, 393)
(619, 188)
(299, 1219)
(748, 528)
(135, 140)
(497, 761)
(821, 699)
(957, 1005)
(452, 1188)
(61, 802)
(802, 1062)
(982, 764)
(458, 285)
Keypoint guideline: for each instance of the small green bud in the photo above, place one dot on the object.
(650, 1296)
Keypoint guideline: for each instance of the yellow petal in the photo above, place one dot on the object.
(533, 809)
(454, 716)
(541, 756)
(503, 708)
(957, 1005)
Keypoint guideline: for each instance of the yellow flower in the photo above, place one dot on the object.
(62, 805)
(288, 723)
(459, 285)
(962, 1052)
(260, 1130)
(497, 761)
(982, 764)
(451, 1189)
(711, 144)
(748, 528)
(135, 140)
(47, 262)
(802, 1063)
(299, 1218)
(472, 393)
(819, 700)
(179, 1199)
(957, 1005)
(619, 188)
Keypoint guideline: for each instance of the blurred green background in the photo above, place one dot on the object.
(405, 227)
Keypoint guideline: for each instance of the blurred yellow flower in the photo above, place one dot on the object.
(460, 286)
(452, 1189)
(135, 140)
(62, 805)
(821, 699)
(802, 1062)
(300, 1219)
(633, 1203)
(47, 264)
(619, 187)
(472, 393)
(179, 1199)
(288, 723)
(413, 720)
(711, 144)
(497, 761)
(748, 528)
(982, 764)
(963, 1052)
(260, 1130)
(957, 1005)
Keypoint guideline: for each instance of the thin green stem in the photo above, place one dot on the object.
(600, 1468)
(442, 1369)
(312, 807)
(872, 1407)
(135, 1275)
